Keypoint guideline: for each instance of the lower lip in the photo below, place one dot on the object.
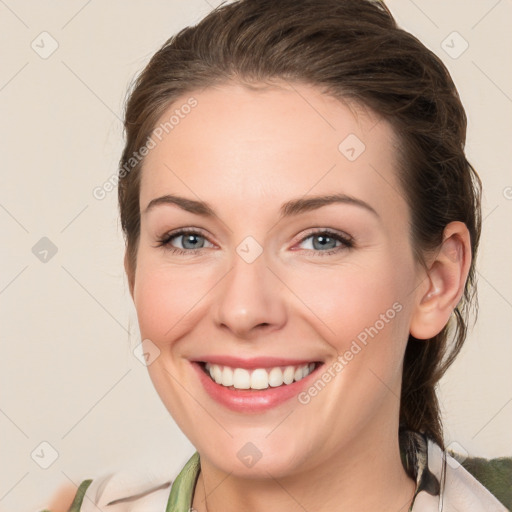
(251, 400)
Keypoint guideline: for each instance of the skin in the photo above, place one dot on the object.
(246, 152)
(62, 498)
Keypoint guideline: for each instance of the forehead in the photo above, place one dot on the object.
(270, 143)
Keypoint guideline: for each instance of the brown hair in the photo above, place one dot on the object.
(354, 51)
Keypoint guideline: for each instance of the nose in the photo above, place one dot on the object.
(250, 299)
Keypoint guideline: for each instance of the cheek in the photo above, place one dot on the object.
(167, 298)
(359, 302)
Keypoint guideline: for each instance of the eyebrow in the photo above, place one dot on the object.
(288, 209)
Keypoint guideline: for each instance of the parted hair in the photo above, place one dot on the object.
(353, 50)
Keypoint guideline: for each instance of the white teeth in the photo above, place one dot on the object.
(227, 376)
(241, 378)
(260, 378)
(288, 374)
(275, 377)
(216, 374)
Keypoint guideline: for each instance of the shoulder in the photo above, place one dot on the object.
(460, 489)
(127, 490)
(494, 474)
(138, 490)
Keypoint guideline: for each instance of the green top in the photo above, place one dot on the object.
(495, 475)
(183, 487)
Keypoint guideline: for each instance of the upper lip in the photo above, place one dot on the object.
(253, 362)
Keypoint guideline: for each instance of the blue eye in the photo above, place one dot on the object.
(327, 242)
(192, 241)
(323, 242)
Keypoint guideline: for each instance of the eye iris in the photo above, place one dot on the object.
(324, 242)
(190, 239)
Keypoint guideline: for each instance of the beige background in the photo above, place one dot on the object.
(68, 374)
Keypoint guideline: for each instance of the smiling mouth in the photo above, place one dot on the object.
(257, 378)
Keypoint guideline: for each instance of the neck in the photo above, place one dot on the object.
(365, 475)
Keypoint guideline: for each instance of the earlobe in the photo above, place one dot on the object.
(444, 283)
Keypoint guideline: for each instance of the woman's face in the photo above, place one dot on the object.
(260, 291)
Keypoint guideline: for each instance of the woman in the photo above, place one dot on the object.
(301, 225)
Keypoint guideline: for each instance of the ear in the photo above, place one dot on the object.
(444, 283)
(129, 273)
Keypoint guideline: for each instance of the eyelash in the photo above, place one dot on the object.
(346, 241)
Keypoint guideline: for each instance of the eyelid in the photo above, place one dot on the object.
(346, 240)
(165, 239)
(328, 231)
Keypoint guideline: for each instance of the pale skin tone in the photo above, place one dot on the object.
(245, 153)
